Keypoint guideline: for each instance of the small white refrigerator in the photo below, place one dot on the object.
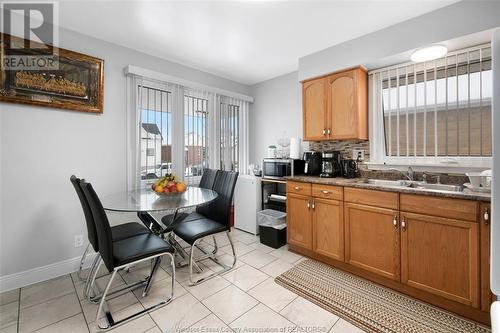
(247, 202)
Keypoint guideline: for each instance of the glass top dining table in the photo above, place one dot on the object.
(146, 200)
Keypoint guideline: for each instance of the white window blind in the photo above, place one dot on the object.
(229, 136)
(435, 111)
(196, 125)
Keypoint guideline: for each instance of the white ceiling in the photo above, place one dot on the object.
(246, 41)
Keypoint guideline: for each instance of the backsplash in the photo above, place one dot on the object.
(345, 148)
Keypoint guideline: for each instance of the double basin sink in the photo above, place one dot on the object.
(414, 184)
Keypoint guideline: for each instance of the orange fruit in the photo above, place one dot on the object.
(159, 189)
(181, 187)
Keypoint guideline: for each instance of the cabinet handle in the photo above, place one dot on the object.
(395, 222)
(403, 224)
(324, 131)
(329, 132)
(486, 216)
(308, 205)
(313, 205)
(325, 192)
(296, 188)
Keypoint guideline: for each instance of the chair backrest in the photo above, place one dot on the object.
(219, 210)
(208, 178)
(104, 235)
(89, 219)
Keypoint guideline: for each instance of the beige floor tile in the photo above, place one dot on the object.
(245, 277)
(239, 247)
(246, 238)
(115, 304)
(308, 315)
(43, 314)
(257, 259)
(154, 330)
(160, 291)
(137, 325)
(276, 267)
(180, 314)
(261, 247)
(343, 326)
(284, 254)
(209, 324)
(273, 295)
(260, 319)
(225, 259)
(10, 329)
(9, 314)
(230, 303)
(207, 288)
(182, 274)
(75, 324)
(45, 291)
(9, 297)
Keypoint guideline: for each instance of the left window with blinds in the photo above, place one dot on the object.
(155, 131)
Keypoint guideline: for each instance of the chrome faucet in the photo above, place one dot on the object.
(409, 174)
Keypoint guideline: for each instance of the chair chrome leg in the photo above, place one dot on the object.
(90, 273)
(109, 317)
(82, 261)
(213, 258)
(94, 275)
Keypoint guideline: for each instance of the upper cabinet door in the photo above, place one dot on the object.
(314, 109)
(347, 105)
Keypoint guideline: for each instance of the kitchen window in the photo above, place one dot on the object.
(434, 113)
(172, 128)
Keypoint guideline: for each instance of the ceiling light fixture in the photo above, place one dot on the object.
(429, 53)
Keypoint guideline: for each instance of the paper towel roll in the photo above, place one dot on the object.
(294, 147)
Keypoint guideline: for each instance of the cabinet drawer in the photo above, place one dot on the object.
(298, 188)
(371, 197)
(328, 192)
(442, 207)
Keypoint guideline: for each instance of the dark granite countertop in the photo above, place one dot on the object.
(360, 183)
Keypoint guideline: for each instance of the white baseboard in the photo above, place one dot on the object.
(39, 274)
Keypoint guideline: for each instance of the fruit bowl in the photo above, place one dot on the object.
(168, 186)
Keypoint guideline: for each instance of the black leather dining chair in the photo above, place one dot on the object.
(207, 181)
(209, 220)
(119, 254)
(118, 232)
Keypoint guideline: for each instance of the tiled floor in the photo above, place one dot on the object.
(245, 298)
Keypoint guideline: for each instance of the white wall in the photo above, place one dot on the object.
(460, 19)
(41, 147)
(276, 112)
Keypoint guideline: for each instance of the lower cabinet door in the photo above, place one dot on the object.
(440, 256)
(328, 228)
(486, 296)
(299, 224)
(372, 239)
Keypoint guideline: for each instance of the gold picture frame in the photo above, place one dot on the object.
(76, 84)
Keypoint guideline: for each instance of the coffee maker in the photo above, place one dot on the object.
(349, 168)
(330, 166)
(312, 163)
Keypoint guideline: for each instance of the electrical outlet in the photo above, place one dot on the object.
(78, 240)
(358, 154)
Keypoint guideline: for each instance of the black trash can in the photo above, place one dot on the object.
(272, 227)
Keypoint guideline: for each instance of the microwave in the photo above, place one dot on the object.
(279, 168)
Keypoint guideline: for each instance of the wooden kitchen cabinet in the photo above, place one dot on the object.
(335, 106)
(299, 221)
(328, 228)
(372, 239)
(314, 109)
(487, 296)
(346, 105)
(440, 255)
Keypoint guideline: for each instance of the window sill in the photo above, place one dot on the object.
(459, 168)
